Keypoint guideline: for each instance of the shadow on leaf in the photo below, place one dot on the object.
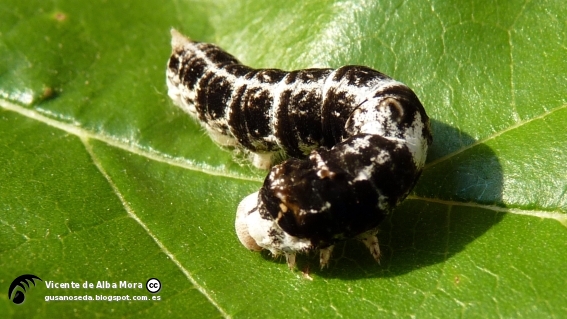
(433, 224)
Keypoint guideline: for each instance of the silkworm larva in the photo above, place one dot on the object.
(357, 142)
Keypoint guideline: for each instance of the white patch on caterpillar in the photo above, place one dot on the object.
(265, 233)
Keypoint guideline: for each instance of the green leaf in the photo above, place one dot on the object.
(103, 179)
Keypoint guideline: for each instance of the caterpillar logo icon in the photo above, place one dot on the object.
(22, 281)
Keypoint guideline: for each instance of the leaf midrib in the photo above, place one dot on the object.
(124, 144)
(188, 164)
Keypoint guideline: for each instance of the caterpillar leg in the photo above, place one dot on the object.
(325, 255)
(220, 138)
(262, 160)
(371, 241)
(290, 258)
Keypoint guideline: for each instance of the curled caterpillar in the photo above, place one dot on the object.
(357, 142)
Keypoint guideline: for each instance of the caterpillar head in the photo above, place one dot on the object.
(256, 231)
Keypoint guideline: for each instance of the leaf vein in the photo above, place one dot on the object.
(124, 144)
(559, 216)
(493, 136)
(131, 213)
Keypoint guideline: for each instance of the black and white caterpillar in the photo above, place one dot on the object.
(357, 141)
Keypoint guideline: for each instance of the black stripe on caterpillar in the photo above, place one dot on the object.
(357, 140)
